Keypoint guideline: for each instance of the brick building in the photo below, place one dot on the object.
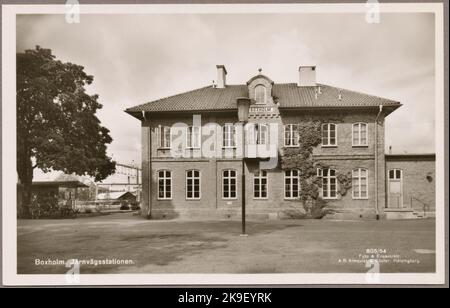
(410, 188)
(192, 153)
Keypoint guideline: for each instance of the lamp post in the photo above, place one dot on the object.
(243, 105)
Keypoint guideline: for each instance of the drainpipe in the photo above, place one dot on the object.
(376, 162)
(149, 149)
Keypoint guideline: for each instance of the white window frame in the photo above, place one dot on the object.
(259, 132)
(193, 178)
(191, 137)
(294, 141)
(358, 131)
(291, 178)
(259, 176)
(328, 179)
(328, 138)
(229, 178)
(165, 178)
(229, 136)
(360, 180)
(163, 132)
(260, 86)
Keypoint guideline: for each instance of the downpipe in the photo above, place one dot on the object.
(377, 211)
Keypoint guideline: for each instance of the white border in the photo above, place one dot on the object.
(10, 276)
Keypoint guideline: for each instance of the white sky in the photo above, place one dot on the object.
(139, 58)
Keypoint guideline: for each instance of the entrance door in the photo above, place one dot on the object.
(395, 187)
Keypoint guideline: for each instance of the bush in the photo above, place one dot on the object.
(46, 206)
(319, 209)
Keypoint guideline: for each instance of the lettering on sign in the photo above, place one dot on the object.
(261, 109)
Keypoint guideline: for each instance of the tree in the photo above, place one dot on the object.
(57, 127)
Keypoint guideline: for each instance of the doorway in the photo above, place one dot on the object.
(395, 189)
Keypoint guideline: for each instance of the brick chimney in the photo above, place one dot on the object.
(307, 76)
(221, 76)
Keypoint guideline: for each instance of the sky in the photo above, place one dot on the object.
(139, 58)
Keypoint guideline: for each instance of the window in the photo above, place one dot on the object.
(229, 136)
(164, 184)
(229, 184)
(329, 134)
(359, 132)
(291, 135)
(193, 137)
(291, 184)
(395, 174)
(261, 133)
(192, 184)
(260, 185)
(329, 183)
(164, 137)
(260, 94)
(359, 183)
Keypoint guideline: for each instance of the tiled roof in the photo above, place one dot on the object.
(292, 96)
(206, 98)
(289, 95)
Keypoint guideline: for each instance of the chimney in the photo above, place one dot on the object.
(221, 76)
(307, 76)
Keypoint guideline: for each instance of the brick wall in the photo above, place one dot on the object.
(343, 158)
(419, 180)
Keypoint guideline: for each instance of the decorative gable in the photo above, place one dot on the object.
(260, 90)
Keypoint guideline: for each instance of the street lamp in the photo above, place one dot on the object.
(243, 105)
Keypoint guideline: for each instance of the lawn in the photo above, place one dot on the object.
(286, 246)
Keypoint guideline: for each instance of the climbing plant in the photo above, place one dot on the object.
(302, 158)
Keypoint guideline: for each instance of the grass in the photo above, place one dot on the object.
(289, 246)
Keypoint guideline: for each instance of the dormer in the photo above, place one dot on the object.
(260, 90)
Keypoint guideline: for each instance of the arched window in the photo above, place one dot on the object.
(229, 184)
(329, 183)
(193, 184)
(260, 94)
(164, 184)
(291, 135)
(291, 184)
(359, 183)
(359, 132)
(329, 134)
(260, 185)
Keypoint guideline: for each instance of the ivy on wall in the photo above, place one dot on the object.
(302, 158)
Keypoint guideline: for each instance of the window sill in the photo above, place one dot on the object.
(229, 199)
(163, 149)
(291, 146)
(263, 199)
(164, 199)
(360, 146)
(354, 198)
(329, 146)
